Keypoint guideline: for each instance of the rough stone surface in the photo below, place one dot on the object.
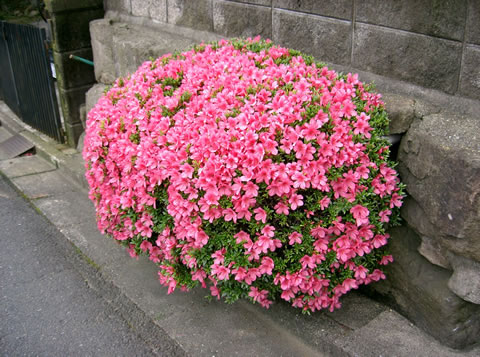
(440, 163)
(427, 61)
(155, 9)
(132, 45)
(328, 40)
(140, 7)
(70, 29)
(392, 335)
(432, 17)
(434, 252)
(401, 112)
(419, 290)
(80, 143)
(473, 25)
(195, 14)
(342, 9)
(470, 76)
(71, 100)
(93, 95)
(117, 5)
(235, 19)
(101, 32)
(73, 132)
(465, 280)
(62, 5)
(158, 10)
(72, 73)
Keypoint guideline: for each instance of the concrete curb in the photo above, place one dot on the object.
(189, 324)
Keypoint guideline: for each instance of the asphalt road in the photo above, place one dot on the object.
(46, 305)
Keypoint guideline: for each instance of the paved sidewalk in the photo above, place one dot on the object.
(47, 305)
(52, 181)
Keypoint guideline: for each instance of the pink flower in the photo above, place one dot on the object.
(215, 292)
(360, 214)
(269, 231)
(295, 201)
(384, 215)
(145, 245)
(220, 271)
(294, 237)
(260, 215)
(281, 208)
(324, 202)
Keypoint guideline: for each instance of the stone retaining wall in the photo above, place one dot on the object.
(69, 21)
(435, 44)
(435, 280)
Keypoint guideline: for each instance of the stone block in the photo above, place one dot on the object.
(158, 10)
(470, 76)
(342, 9)
(122, 6)
(80, 143)
(83, 115)
(72, 73)
(194, 14)
(43, 185)
(140, 7)
(434, 252)
(93, 95)
(155, 9)
(70, 30)
(427, 61)
(473, 25)
(132, 45)
(328, 40)
(401, 112)
(465, 280)
(25, 166)
(439, 160)
(101, 32)
(70, 101)
(55, 6)
(73, 132)
(419, 291)
(431, 17)
(234, 19)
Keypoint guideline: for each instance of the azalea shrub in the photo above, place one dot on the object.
(249, 169)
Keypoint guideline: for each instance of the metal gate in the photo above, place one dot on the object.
(26, 82)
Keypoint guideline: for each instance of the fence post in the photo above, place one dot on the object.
(69, 21)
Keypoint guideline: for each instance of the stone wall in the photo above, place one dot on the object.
(69, 21)
(424, 56)
(432, 43)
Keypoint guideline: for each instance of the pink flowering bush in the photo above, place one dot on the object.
(248, 168)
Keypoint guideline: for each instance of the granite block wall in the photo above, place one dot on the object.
(431, 43)
(69, 22)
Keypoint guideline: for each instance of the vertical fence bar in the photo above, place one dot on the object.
(8, 87)
(33, 79)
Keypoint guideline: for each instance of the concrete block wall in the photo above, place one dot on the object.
(69, 21)
(431, 43)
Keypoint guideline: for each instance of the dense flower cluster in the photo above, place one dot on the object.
(248, 168)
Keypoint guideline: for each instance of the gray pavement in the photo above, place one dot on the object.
(179, 323)
(47, 306)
